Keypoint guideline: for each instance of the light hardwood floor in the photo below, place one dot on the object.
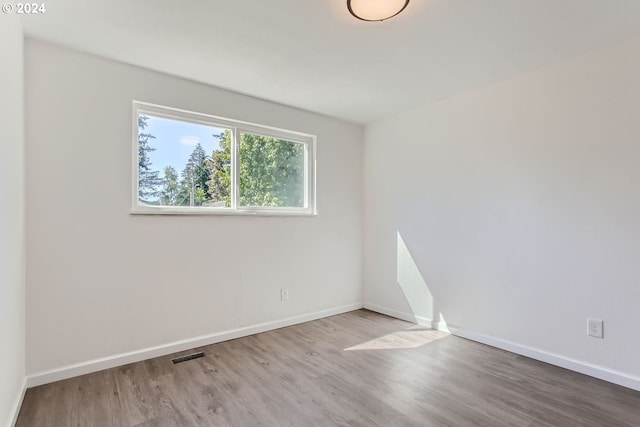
(354, 369)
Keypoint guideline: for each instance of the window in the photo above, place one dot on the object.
(190, 163)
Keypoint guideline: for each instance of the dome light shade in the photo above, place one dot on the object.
(376, 10)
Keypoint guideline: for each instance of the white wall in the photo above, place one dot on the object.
(519, 205)
(12, 305)
(102, 282)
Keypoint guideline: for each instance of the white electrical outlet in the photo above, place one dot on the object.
(594, 328)
(284, 294)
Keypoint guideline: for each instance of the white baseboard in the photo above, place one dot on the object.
(579, 366)
(433, 324)
(390, 312)
(600, 372)
(420, 320)
(582, 367)
(15, 409)
(75, 370)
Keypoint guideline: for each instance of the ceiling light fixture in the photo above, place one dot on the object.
(376, 10)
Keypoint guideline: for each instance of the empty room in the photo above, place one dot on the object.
(320, 213)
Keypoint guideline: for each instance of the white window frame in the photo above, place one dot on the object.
(237, 127)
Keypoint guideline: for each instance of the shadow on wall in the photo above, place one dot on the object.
(421, 303)
(415, 289)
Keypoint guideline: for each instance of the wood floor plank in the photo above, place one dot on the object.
(353, 370)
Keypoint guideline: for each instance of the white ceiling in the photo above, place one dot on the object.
(313, 55)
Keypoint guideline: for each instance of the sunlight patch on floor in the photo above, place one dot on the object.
(401, 340)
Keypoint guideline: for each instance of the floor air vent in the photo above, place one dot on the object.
(189, 357)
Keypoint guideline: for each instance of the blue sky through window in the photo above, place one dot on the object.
(175, 140)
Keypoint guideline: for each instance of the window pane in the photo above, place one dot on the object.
(182, 163)
(192, 163)
(272, 172)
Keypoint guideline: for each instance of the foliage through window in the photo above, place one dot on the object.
(193, 163)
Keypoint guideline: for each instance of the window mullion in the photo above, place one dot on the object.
(235, 168)
(307, 172)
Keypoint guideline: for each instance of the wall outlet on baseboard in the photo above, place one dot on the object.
(595, 328)
(284, 294)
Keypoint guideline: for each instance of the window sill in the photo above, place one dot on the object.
(220, 212)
